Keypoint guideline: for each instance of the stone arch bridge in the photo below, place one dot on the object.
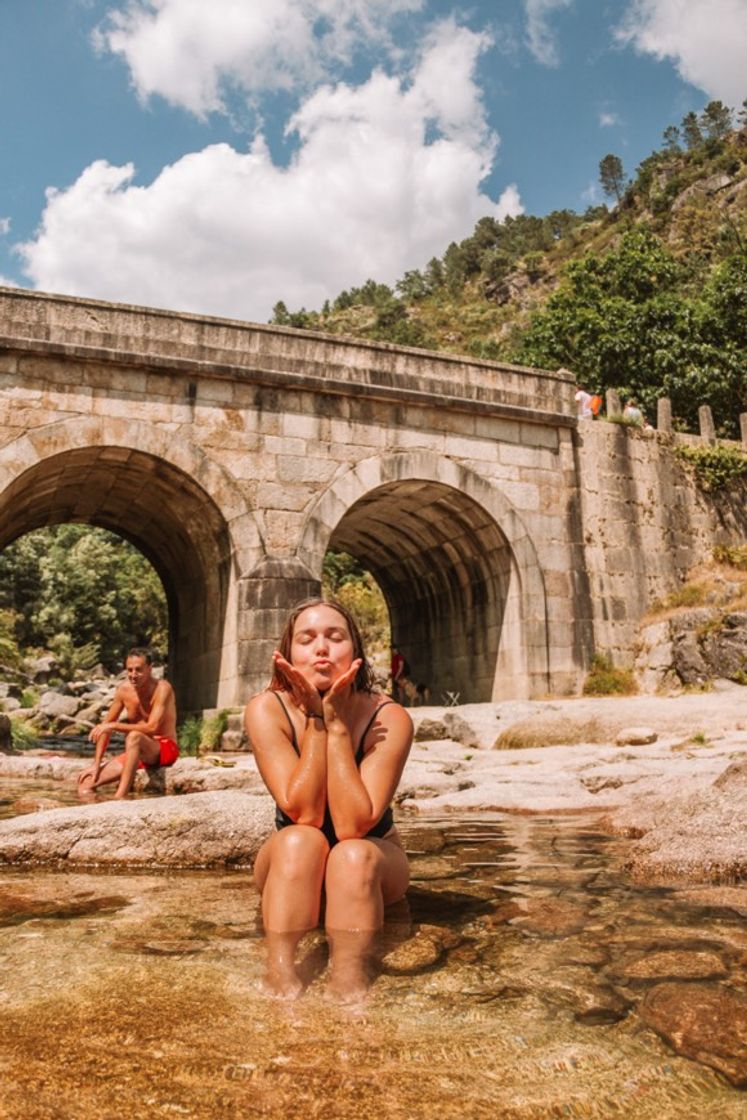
(233, 455)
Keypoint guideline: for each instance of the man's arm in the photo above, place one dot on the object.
(100, 736)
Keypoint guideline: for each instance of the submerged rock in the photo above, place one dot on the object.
(703, 1022)
(551, 917)
(196, 830)
(35, 805)
(672, 964)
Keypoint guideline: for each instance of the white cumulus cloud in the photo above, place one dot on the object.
(385, 175)
(190, 51)
(540, 36)
(607, 119)
(4, 226)
(706, 40)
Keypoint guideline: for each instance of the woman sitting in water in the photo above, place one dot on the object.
(331, 752)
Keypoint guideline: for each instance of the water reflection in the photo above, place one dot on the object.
(528, 979)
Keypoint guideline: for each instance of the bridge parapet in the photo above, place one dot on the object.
(278, 357)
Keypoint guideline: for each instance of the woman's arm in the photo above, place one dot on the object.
(298, 784)
(358, 797)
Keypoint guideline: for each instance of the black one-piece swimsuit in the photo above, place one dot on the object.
(384, 823)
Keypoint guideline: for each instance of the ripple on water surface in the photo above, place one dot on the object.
(525, 979)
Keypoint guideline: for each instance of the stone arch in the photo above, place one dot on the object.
(182, 511)
(455, 562)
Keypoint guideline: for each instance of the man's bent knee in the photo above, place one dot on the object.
(134, 740)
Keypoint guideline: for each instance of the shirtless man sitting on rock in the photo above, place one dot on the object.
(149, 730)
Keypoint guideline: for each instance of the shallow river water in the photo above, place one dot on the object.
(510, 988)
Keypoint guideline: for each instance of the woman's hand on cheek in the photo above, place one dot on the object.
(303, 693)
(337, 701)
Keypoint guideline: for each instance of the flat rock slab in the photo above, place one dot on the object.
(188, 775)
(194, 830)
(702, 837)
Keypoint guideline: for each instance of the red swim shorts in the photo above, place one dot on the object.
(168, 756)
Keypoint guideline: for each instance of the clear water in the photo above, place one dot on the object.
(499, 994)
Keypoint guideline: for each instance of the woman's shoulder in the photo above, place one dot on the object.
(388, 710)
(265, 703)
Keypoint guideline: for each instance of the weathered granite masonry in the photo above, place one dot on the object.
(233, 455)
(645, 525)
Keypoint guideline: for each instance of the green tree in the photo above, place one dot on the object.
(76, 586)
(716, 120)
(280, 316)
(628, 321)
(413, 285)
(672, 140)
(612, 176)
(691, 132)
(434, 274)
(10, 654)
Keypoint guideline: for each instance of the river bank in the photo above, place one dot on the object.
(668, 773)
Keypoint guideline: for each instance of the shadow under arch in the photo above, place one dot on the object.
(457, 568)
(156, 505)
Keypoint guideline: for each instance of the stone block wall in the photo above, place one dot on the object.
(646, 525)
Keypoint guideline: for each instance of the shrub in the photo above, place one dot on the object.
(189, 735)
(605, 680)
(196, 734)
(735, 555)
(691, 595)
(22, 735)
(715, 466)
(212, 730)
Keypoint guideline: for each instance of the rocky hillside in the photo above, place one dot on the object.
(631, 297)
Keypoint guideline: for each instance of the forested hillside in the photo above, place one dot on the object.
(648, 296)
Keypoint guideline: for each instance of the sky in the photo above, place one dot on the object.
(217, 156)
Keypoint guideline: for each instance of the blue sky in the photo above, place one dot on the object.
(216, 157)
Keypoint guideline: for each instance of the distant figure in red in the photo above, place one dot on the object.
(398, 671)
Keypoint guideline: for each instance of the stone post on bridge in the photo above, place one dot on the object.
(707, 427)
(664, 415)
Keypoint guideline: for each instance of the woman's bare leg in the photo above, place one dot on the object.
(289, 872)
(362, 877)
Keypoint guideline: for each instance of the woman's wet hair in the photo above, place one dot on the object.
(364, 678)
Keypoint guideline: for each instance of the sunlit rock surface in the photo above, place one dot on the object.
(701, 837)
(196, 830)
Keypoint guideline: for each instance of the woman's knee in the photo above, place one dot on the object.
(354, 866)
(299, 850)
